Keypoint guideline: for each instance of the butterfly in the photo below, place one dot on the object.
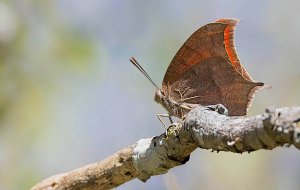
(205, 71)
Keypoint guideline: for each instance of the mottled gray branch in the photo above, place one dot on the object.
(276, 127)
(204, 127)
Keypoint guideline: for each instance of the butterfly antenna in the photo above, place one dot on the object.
(140, 68)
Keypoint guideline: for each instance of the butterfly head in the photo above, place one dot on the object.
(159, 96)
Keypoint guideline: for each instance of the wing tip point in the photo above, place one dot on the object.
(233, 21)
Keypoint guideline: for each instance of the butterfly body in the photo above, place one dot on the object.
(173, 107)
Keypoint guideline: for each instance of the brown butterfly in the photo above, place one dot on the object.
(206, 71)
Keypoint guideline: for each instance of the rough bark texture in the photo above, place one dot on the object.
(108, 173)
(204, 127)
(276, 127)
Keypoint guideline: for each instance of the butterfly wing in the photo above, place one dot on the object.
(213, 82)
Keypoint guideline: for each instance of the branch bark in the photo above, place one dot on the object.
(204, 127)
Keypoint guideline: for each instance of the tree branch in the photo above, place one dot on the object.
(204, 127)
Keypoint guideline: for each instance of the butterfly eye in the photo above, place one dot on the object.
(158, 93)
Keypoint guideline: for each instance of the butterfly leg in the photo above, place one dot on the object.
(159, 116)
(170, 118)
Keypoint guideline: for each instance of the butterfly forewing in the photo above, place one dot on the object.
(206, 42)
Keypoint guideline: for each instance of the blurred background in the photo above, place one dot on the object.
(70, 97)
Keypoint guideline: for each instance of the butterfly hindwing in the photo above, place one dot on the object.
(214, 81)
